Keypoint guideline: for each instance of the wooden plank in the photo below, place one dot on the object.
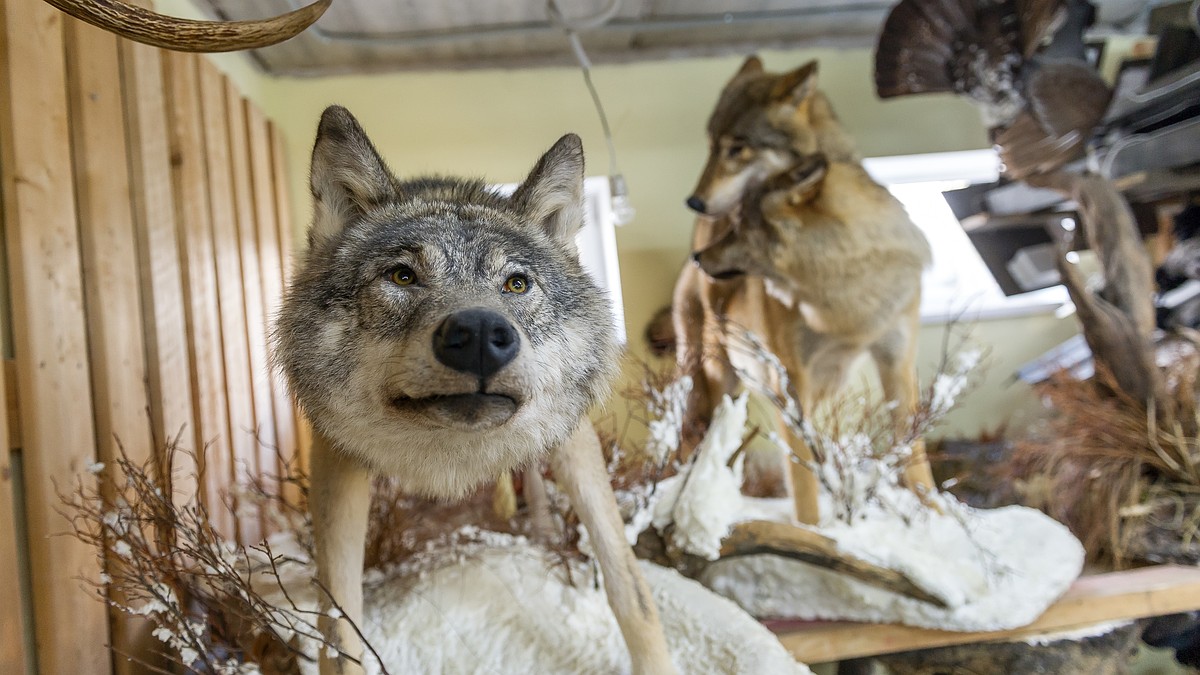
(108, 245)
(12, 623)
(189, 176)
(287, 238)
(262, 177)
(12, 406)
(252, 279)
(1134, 594)
(167, 370)
(49, 331)
(226, 248)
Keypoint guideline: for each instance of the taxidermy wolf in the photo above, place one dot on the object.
(796, 243)
(443, 334)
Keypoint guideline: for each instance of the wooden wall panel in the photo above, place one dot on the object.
(252, 279)
(189, 175)
(12, 624)
(50, 338)
(110, 270)
(287, 251)
(262, 183)
(228, 257)
(167, 369)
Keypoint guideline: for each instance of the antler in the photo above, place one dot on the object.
(187, 35)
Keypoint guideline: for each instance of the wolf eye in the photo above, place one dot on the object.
(737, 151)
(517, 283)
(404, 276)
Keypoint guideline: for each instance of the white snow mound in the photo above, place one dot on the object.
(507, 607)
(995, 569)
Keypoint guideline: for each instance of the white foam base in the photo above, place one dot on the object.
(507, 607)
(996, 569)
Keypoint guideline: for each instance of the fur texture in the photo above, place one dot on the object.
(796, 243)
(357, 348)
(375, 343)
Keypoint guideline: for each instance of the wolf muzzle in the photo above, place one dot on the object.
(476, 341)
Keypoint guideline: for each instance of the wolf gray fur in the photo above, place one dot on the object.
(441, 333)
(357, 348)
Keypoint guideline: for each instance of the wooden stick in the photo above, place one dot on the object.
(761, 536)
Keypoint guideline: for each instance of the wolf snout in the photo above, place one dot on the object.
(696, 204)
(476, 341)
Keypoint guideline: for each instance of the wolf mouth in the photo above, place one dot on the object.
(726, 275)
(473, 411)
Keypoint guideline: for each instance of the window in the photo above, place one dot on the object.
(958, 284)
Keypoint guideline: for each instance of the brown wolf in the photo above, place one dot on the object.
(797, 243)
(444, 334)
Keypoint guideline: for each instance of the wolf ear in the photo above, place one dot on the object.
(552, 195)
(751, 66)
(348, 177)
(796, 86)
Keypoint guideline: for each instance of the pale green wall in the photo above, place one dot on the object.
(494, 124)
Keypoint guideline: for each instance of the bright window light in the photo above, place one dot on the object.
(958, 285)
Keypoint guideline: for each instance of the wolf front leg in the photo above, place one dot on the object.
(338, 501)
(579, 469)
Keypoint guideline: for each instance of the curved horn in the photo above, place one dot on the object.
(187, 35)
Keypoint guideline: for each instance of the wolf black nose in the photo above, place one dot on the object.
(476, 341)
(696, 204)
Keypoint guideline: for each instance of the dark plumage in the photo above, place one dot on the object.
(1041, 100)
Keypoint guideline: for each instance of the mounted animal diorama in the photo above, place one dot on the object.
(795, 242)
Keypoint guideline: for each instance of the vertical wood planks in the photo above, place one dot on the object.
(286, 227)
(110, 269)
(228, 258)
(262, 177)
(252, 280)
(12, 624)
(189, 177)
(50, 339)
(167, 369)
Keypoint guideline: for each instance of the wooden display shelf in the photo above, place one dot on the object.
(1091, 600)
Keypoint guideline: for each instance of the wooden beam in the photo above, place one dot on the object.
(49, 331)
(226, 248)
(189, 176)
(1117, 596)
(167, 370)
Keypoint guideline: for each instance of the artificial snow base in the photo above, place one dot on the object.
(994, 569)
(506, 606)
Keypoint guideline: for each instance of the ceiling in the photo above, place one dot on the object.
(376, 35)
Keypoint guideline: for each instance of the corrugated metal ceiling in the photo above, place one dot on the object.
(377, 35)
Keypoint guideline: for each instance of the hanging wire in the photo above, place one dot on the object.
(622, 209)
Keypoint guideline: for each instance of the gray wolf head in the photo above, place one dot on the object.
(436, 330)
(760, 128)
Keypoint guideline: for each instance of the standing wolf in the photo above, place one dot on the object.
(443, 334)
(796, 243)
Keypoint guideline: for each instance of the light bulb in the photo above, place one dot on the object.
(622, 209)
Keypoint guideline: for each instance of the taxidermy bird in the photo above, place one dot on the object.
(1021, 61)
